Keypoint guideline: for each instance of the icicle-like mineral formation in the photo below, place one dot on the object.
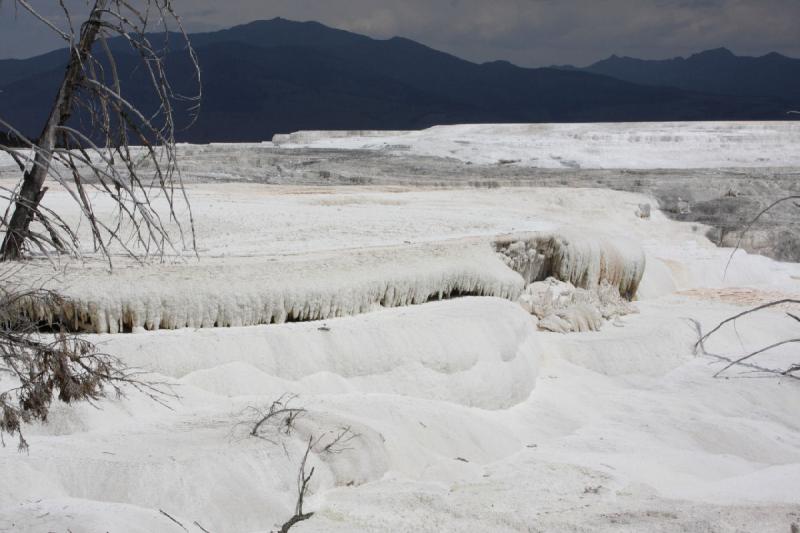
(584, 260)
(246, 291)
(267, 290)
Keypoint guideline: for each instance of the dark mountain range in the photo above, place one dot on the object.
(280, 76)
(714, 71)
(12, 70)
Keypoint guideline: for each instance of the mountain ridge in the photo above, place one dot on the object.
(714, 71)
(279, 76)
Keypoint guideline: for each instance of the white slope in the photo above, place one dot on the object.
(468, 418)
(667, 145)
(640, 145)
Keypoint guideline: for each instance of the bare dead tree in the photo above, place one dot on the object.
(279, 420)
(38, 368)
(122, 150)
(303, 481)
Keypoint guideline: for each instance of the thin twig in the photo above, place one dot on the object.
(162, 511)
(753, 223)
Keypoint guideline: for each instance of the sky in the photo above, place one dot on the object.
(526, 32)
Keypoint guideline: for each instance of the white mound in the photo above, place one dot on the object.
(352, 251)
(460, 407)
(338, 260)
(318, 287)
(589, 146)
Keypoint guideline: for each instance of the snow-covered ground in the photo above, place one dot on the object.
(467, 418)
(624, 145)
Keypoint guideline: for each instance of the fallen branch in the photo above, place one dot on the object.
(743, 361)
(722, 324)
(759, 352)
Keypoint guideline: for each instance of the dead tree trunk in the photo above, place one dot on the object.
(33, 189)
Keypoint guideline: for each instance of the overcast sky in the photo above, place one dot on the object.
(526, 32)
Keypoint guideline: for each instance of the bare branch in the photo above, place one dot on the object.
(757, 352)
(173, 519)
(338, 443)
(722, 324)
(279, 415)
(201, 527)
(745, 363)
(45, 363)
(303, 481)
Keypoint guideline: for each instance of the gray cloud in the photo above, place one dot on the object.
(526, 32)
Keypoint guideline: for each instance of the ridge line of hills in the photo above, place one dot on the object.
(717, 71)
(279, 76)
